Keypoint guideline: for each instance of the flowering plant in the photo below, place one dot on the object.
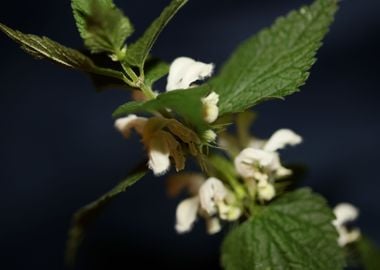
(241, 180)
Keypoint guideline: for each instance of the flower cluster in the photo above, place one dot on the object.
(256, 168)
(165, 138)
(259, 164)
(210, 199)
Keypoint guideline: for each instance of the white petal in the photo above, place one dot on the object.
(125, 124)
(346, 237)
(282, 138)
(246, 161)
(213, 225)
(159, 161)
(266, 191)
(186, 214)
(210, 107)
(345, 212)
(184, 71)
(210, 193)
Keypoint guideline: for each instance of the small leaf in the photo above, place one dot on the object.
(87, 214)
(43, 47)
(186, 103)
(103, 26)
(155, 69)
(138, 52)
(275, 62)
(293, 232)
(369, 253)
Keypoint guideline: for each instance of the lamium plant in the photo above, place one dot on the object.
(241, 180)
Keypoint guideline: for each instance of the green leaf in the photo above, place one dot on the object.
(275, 62)
(87, 214)
(293, 232)
(155, 69)
(103, 26)
(138, 52)
(369, 253)
(186, 103)
(45, 48)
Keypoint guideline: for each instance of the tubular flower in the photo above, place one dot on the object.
(184, 71)
(345, 213)
(210, 200)
(261, 162)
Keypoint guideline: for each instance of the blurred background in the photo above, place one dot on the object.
(59, 150)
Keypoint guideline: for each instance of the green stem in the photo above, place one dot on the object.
(239, 190)
(139, 83)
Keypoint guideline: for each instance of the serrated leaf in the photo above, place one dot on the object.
(275, 62)
(138, 52)
(103, 26)
(369, 253)
(186, 103)
(293, 232)
(87, 214)
(45, 48)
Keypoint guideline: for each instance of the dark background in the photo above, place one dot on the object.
(59, 150)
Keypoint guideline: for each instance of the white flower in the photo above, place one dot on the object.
(156, 141)
(159, 155)
(211, 193)
(261, 161)
(210, 107)
(345, 213)
(250, 160)
(184, 71)
(212, 198)
(126, 124)
(186, 214)
(280, 139)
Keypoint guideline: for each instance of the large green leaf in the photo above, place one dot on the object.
(45, 48)
(293, 232)
(103, 26)
(138, 52)
(275, 62)
(87, 214)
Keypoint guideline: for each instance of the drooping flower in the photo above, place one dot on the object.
(345, 213)
(186, 214)
(261, 161)
(212, 201)
(184, 71)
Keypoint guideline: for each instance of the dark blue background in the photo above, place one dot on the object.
(59, 150)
